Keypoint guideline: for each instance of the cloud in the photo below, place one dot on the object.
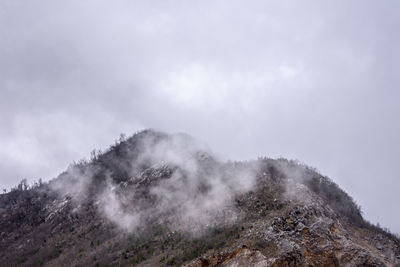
(156, 178)
(310, 80)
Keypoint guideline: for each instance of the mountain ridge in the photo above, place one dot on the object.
(161, 199)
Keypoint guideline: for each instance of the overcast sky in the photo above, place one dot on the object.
(316, 81)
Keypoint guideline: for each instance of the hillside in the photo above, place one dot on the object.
(156, 199)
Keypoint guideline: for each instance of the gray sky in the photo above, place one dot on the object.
(316, 81)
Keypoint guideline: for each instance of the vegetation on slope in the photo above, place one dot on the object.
(56, 223)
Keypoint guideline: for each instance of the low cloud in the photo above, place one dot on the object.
(172, 181)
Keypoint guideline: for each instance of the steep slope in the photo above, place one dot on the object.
(162, 200)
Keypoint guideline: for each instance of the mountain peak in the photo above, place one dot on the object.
(158, 199)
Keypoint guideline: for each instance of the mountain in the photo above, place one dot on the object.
(159, 199)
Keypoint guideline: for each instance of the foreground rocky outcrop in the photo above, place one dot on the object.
(158, 200)
(307, 235)
(242, 256)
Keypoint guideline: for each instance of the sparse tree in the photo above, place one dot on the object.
(93, 155)
(122, 137)
(23, 185)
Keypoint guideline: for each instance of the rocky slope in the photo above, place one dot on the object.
(161, 200)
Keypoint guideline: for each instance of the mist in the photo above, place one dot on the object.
(158, 178)
(311, 81)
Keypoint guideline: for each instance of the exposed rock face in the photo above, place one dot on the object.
(324, 243)
(289, 215)
(308, 233)
(242, 256)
